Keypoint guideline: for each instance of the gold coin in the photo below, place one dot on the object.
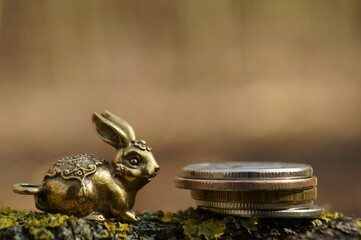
(244, 185)
(256, 196)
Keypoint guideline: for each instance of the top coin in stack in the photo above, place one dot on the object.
(245, 188)
(247, 170)
(237, 176)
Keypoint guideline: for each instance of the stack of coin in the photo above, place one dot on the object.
(260, 189)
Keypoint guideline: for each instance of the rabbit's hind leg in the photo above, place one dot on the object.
(95, 216)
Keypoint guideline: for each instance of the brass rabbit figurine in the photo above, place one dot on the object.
(86, 186)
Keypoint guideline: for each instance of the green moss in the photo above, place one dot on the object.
(8, 218)
(40, 233)
(6, 222)
(358, 224)
(115, 227)
(250, 224)
(196, 224)
(199, 224)
(327, 217)
(38, 224)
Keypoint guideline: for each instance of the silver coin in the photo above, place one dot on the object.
(253, 206)
(302, 195)
(245, 185)
(312, 212)
(247, 170)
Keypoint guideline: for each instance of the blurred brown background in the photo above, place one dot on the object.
(199, 80)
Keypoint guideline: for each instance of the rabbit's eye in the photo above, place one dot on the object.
(134, 161)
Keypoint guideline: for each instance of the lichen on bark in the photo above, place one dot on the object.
(194, 224)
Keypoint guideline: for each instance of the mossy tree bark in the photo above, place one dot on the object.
(189, 224)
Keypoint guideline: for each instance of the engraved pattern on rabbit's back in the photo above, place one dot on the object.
(75, 167)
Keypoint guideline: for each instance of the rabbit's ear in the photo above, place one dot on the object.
(110, 132)
(120, 123)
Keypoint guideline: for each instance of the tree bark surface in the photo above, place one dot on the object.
(189, 224)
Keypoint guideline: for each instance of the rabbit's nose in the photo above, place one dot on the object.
(156, 169)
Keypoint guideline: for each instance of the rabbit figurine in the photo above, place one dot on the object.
(86, 186)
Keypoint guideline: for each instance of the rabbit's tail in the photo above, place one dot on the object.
(28, 189)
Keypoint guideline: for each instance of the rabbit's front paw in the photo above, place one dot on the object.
(130, 216)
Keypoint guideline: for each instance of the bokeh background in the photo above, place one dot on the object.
(199, 80)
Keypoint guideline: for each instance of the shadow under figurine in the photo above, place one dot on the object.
(86, 186)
